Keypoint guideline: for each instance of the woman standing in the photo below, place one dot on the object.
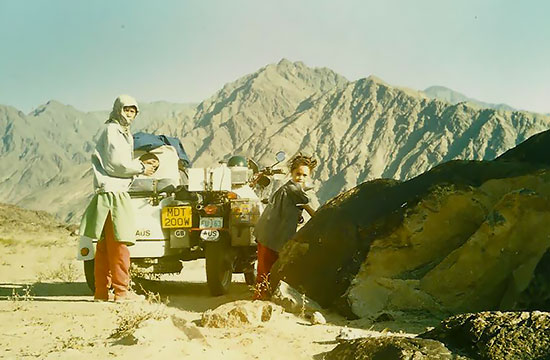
(109, 217)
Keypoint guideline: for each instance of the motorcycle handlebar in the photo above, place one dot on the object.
(269, 171)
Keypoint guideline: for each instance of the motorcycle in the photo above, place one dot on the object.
(196, 213)
(227, 210)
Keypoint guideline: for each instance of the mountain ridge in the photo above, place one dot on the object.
(359, 130)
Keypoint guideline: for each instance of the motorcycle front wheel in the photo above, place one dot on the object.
(220, 261)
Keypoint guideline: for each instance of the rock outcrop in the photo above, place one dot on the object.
(464, 236)
(294, 302)
(484, 336)
(391, 348)
(240, 313)
(496, 335)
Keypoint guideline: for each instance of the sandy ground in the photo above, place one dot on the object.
(47, 312)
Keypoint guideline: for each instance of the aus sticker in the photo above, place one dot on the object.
(143, 232)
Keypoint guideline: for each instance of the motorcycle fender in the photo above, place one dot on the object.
(180, 238)
(242, 236)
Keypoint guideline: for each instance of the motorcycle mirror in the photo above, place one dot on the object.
(280, 156)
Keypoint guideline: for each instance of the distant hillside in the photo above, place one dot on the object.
(45, 155)
(454, 97)
(359, 131)
(12, 216)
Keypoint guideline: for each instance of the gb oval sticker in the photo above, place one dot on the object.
(180, 233)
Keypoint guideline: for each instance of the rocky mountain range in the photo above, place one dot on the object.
(358, 130)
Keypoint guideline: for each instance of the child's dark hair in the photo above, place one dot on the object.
(301, 160)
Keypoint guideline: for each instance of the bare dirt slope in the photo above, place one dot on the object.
(47, 311)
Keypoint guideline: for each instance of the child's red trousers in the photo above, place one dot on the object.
(266, 259)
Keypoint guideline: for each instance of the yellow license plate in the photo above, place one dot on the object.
(176, 217)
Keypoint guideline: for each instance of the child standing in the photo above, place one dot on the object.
(109, 217)
(279, 221)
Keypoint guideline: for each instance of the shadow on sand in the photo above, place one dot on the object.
(45, 291)
(193, 296)
(187, 296)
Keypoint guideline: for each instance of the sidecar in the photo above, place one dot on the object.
(163, 222)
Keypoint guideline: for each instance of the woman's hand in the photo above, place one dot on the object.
(149, 169)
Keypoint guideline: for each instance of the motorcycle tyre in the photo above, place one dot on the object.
(220, 261)
(250, 277)
(89, 274)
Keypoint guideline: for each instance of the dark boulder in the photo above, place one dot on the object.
(325, 256)
(391, 348)
(496, 335)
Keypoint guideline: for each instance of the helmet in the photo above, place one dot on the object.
(237, 160)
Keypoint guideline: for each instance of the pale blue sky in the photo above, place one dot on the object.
(85, 53)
